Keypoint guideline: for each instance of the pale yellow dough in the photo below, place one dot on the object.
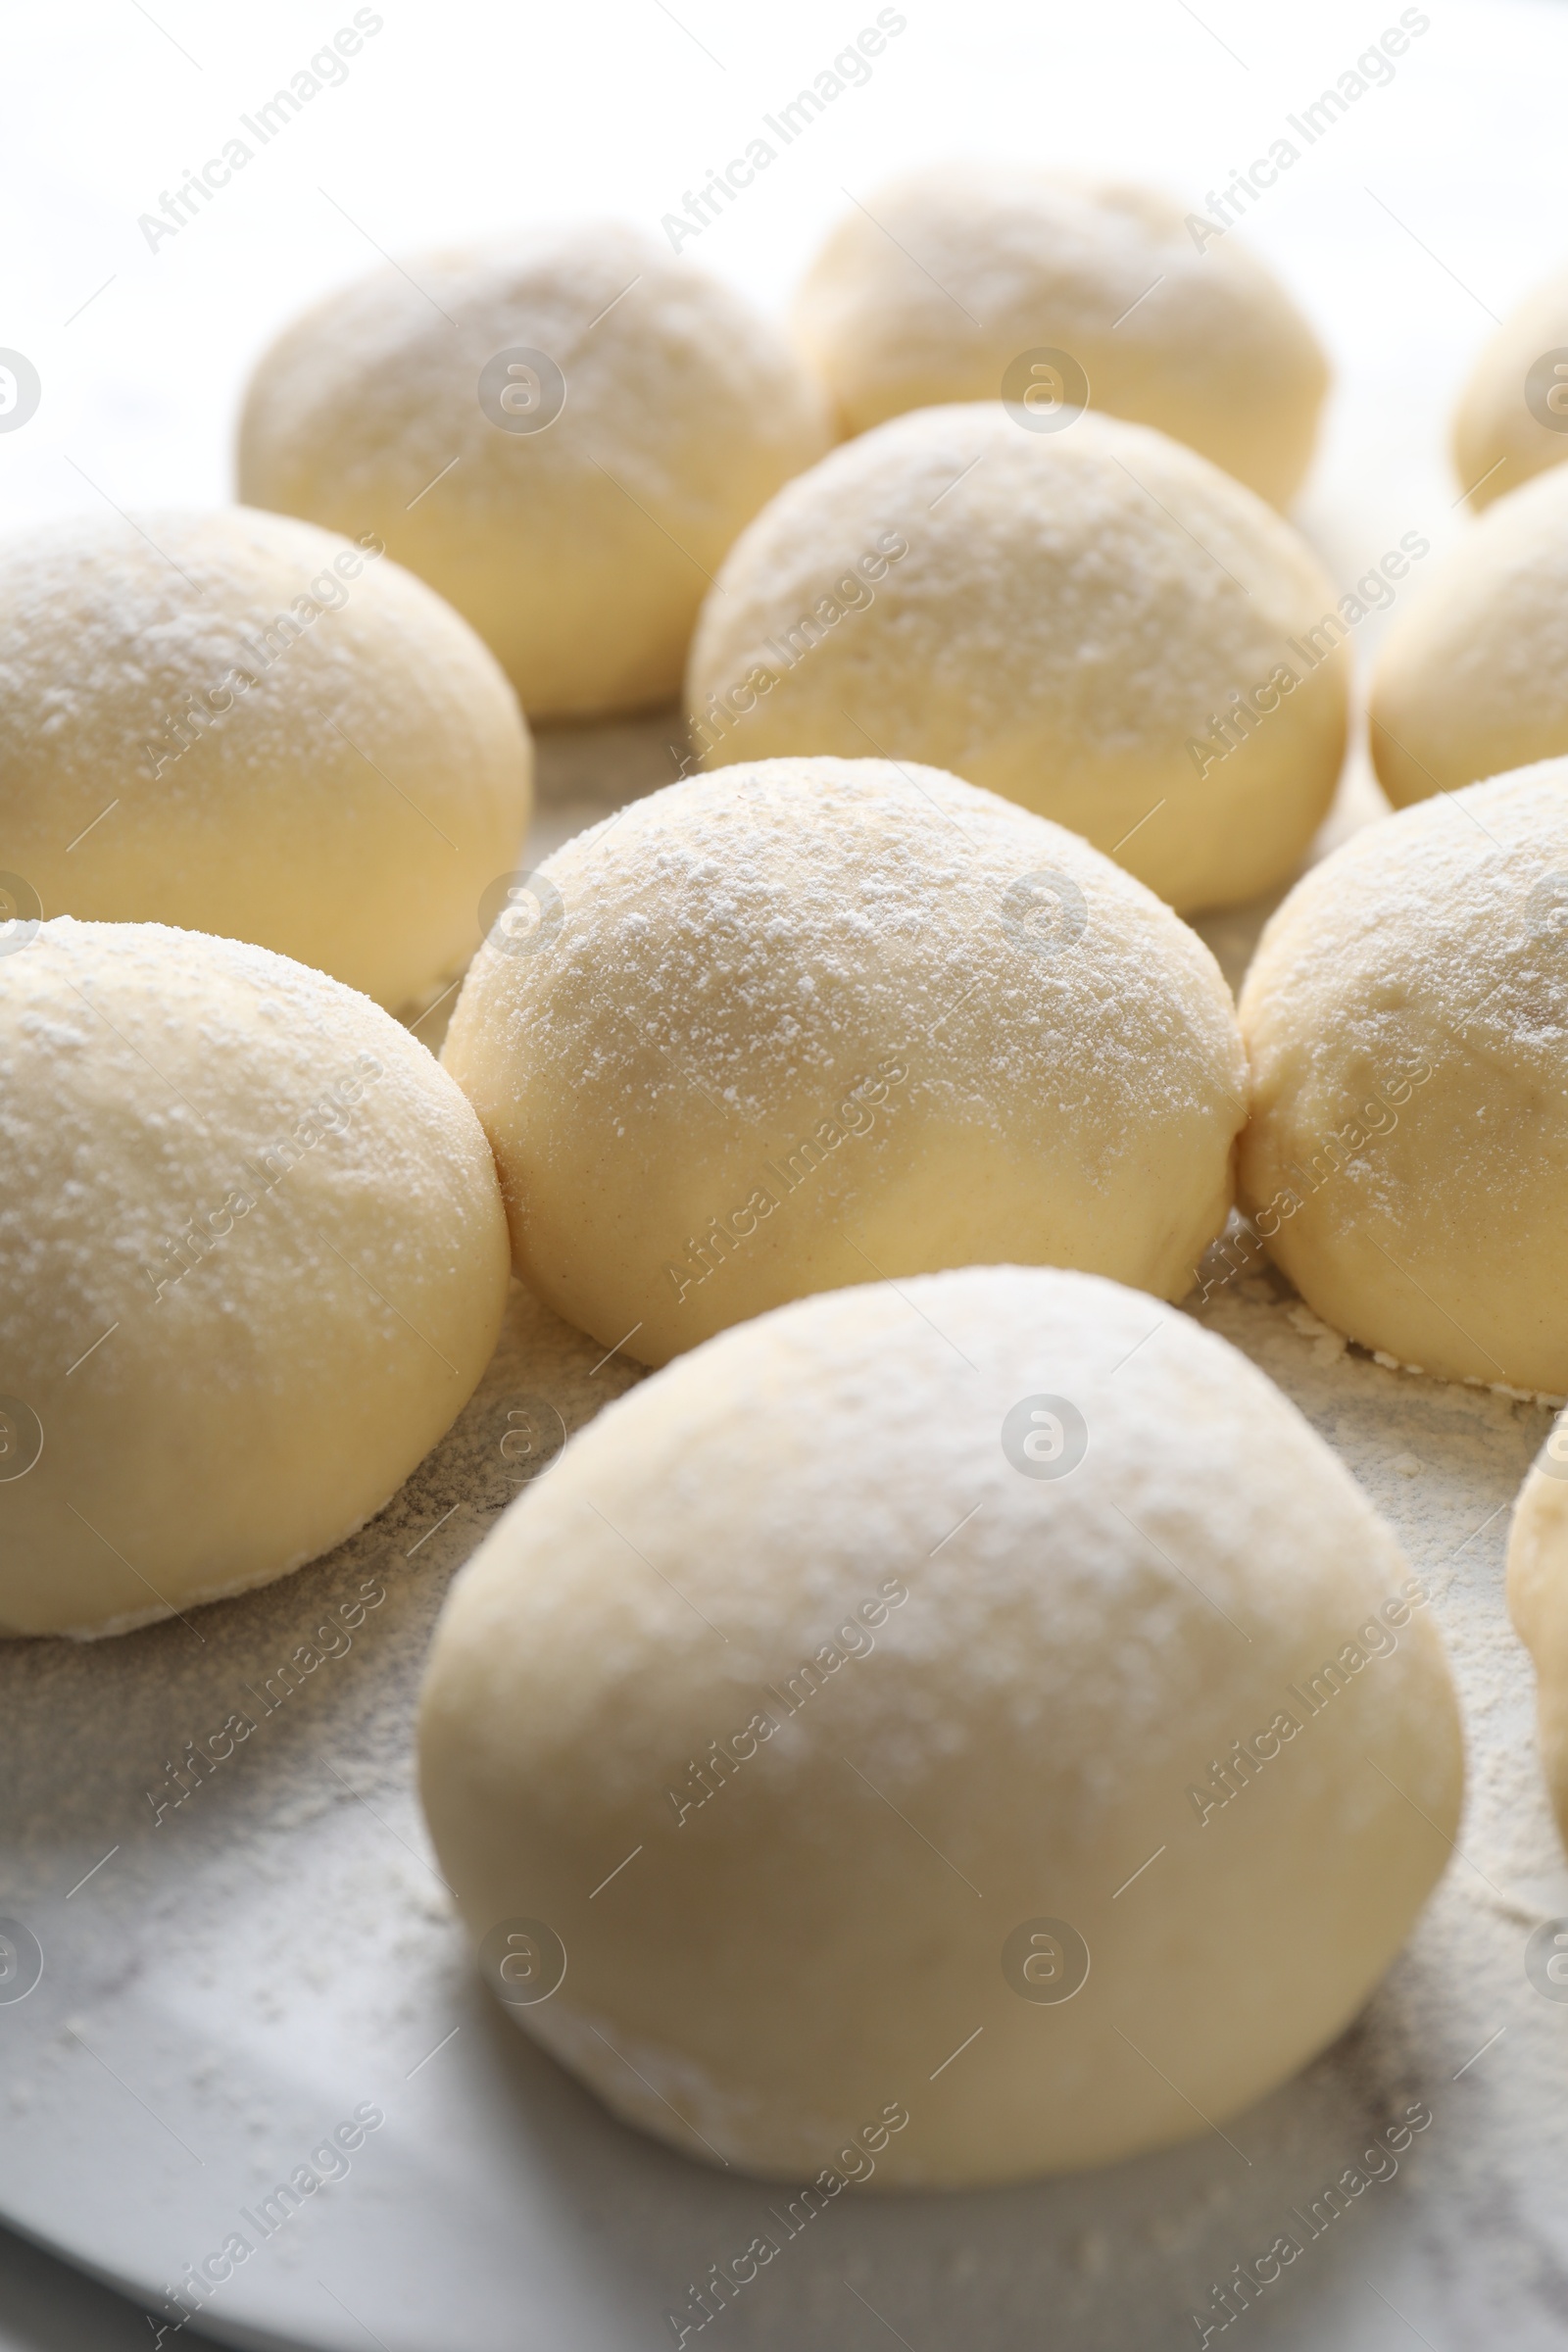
(1472, 678)
(253, 1260)
(1407, 1158)
(1501, 433)
(235, 722)
(667, 412)
(932, 289)
(1096, 624)
(811, 1022)
(824, 1744)
(1538, 1602)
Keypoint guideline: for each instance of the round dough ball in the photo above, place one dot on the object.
(1512, 418)
(1407, 1158)
(988, 1686)
(1538, 1602)
(238, 723)
(819, 1020)
(602, 418)
(1472, 678)
(1096, 624)
(253, 1261)
(950, 281)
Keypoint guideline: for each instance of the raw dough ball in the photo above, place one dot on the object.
(584, 499)
(252, 1263)
(949, 284)
(900, 1647)
(1538, 1602)
(817, 1021)
(235, 722)
(1472, 679)
(1406, 1018)
(1512, 418)
(1094, 623)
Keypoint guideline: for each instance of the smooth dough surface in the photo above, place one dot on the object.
(1502, 435)
(1538, 1602)
(253, 1261)
(1407, 1026)
(1074, 621)
(932, 290)
(1472, 678)
(235, 722)
(815, 1020)
(866, 1702)
(580, 551)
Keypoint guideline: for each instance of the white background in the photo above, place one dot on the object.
(460, 116)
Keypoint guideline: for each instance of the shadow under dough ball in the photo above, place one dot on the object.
(985, 281)
(1407, 1158)
(253, 1261)
(814, 1021)
(235, 722)
(561, 431)
(1096, 624)
(884, 1640)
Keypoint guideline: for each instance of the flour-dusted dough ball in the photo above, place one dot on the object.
(1512, 418)
(817, 1021)
(950, 283)
(253, 1260)
(1406, 1018)
(235, 722)
(1538, 1602)
(1096, 624)
(1015, 1739)
(563, 432)
(1472, 678)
